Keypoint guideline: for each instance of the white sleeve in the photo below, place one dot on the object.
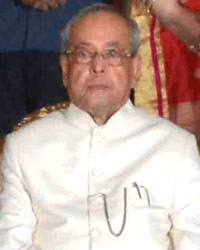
(186, 212)
(17, 219)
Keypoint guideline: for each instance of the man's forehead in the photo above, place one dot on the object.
(98, 19)
(109, 28)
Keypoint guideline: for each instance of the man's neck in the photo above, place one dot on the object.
(102, 115)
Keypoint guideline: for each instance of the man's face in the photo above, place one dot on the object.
(97, 84)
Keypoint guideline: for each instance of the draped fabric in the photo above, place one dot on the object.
(150, 90)
(178, 70)
(182, 79)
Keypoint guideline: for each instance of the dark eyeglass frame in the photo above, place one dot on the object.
(108, 55)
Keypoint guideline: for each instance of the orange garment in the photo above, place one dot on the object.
(182, 69)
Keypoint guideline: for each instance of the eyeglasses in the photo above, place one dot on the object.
(112, 56)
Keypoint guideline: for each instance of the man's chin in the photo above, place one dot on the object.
(95, 103)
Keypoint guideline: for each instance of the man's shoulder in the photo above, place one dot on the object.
(156, 125)
(51, 124)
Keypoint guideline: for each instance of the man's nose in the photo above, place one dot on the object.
(98, 64)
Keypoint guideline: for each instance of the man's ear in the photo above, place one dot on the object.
(136, 71)
(64, 68)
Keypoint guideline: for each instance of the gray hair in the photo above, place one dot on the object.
(100, 7)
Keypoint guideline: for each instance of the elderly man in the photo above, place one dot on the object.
(101, 174)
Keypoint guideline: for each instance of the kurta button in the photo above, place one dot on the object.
(96, 172)
(94, 233)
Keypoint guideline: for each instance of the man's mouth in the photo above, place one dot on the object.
(98, 87)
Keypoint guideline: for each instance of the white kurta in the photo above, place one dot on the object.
(63, 171)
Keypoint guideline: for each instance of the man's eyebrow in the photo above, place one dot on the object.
(82, 43)
(113, 44)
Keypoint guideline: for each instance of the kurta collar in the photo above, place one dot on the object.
(82, 119)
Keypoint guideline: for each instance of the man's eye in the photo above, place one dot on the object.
(83, 54)
(112, 53)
